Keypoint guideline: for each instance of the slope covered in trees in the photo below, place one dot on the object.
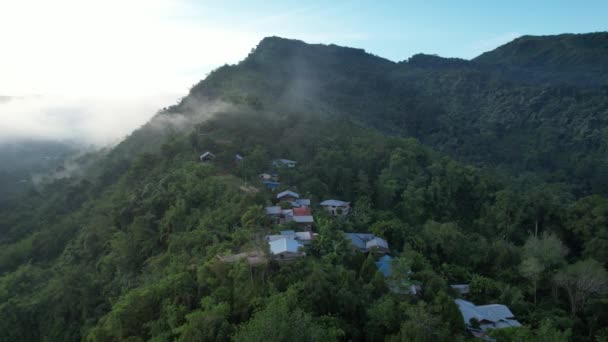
(471, 110)
(129, 251)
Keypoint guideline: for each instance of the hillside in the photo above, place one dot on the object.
(144, 245)
(477, 116)
(580, 59)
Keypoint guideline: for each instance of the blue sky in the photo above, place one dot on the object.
(398, 29)
(115, 61)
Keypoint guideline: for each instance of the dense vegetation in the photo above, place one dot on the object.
(23, 162)
(129, 252)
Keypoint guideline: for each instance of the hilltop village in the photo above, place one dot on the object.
(293, 217)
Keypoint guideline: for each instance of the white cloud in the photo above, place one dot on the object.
(104, 67)
(96, 120)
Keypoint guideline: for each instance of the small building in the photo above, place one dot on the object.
(384, 265)
(288, 195)
(269, 176)
(274, 210)
(206, 157)
(304, 222)
(366, 242)
(286, 249)
(302, 237)
(301, 211)
(270, 185)
(238, 158)
(462, 289)
(286, 216)
(479, 319)
(336, 207)
(284, 163)
(301, 203)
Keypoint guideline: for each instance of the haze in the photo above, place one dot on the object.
(93, 71)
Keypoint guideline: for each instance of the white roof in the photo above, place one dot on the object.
(284, 245)
(376, 242)
(304, 219)
(335, 203)
(207, 154)
(288, 193)
(284, 161)
(304, 236)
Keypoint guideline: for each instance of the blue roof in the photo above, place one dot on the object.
(271, 185)
(359, 240)
(498, 315)
(384, 265)
(288, 232)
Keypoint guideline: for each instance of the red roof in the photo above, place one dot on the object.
(302, 212)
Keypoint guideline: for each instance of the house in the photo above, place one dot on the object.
(301, 203)
(238, 158)
(479, 319)
(270, 185)
(268, 177)
(336, 207)
(286, 216)
(301, 211)
(462, 289)
(284, 163)
(285, 249)
(304, 222)
(396, 285)
(274, 210)
(384, 265)
(288, 196)
(302, 237)
(366, 242)
(206, 157)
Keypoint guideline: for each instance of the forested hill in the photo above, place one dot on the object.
(476, 112)
(580, 59)
(141, 247)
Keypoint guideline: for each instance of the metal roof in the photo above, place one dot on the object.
(303, 219)
(384, 265)
(207, 154)
(494, 315)
(335, 203)
(284, 245)
(276, 210)
(359, 240)
(288, 193)
(376, 242)
(284, 161)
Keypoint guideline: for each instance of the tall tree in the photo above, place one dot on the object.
(582, 280)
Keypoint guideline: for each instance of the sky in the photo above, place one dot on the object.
(94, 70)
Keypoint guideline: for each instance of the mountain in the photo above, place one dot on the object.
(472, 112)
(580, 59)
(470, 176)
